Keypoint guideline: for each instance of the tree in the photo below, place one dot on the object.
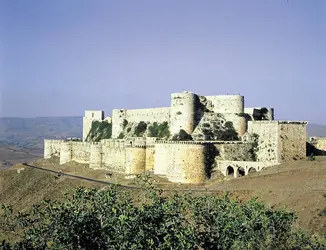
(115, 219)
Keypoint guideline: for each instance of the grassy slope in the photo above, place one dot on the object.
(298, 186)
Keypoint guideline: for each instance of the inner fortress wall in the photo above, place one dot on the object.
(136, 115)
(292, 139)
(227, 103)
(148, 115)
(268, 140)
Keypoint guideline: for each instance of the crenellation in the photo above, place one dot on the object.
(194, 134)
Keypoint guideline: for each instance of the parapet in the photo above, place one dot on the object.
(197, 142)
(279, 122)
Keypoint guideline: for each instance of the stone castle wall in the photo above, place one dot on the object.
(136, 115)
(180, 162)
(268, 149)
(52, 148)
(279, 140)
(292, 139)
(227, 104)
(186, 162)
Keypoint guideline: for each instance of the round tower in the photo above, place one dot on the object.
(95, 158)
(182, 112)
(118, 115)
(187, 164)
(230, 104)
(135, 160)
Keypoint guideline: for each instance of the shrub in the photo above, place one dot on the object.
(99, 130)
(159, 130)
(124, 123)
(121, 135)
(114, 219)
(206, 125)
(182, 136)
(140, 129)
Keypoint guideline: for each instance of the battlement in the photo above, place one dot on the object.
(197, 142)
(279, 122)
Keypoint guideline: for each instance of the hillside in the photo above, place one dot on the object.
(299, 186)
(30, 132)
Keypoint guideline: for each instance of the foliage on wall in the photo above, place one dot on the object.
(99, 130)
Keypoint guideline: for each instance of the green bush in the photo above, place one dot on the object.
(182, 136)
(121, 135)
(159, 130)
(140, 129)
(124, 123)
(114, 219)
(99, 130)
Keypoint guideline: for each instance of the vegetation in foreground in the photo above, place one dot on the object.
(116, 219)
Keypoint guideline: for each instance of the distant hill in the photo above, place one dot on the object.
(30, 132)
(314, 129)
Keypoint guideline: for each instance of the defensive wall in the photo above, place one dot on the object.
(279, 141)
(179, 161)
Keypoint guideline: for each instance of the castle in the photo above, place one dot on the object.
(185, 142)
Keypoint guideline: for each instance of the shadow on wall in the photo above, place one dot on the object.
(200, 109)
(210, 153)
(312, 150)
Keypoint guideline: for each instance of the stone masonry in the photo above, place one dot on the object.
(262, 142)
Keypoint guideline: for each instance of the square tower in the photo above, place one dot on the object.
(90, 116)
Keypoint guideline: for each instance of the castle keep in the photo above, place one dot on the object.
(185, 142)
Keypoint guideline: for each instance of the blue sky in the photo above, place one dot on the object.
(59, 57)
